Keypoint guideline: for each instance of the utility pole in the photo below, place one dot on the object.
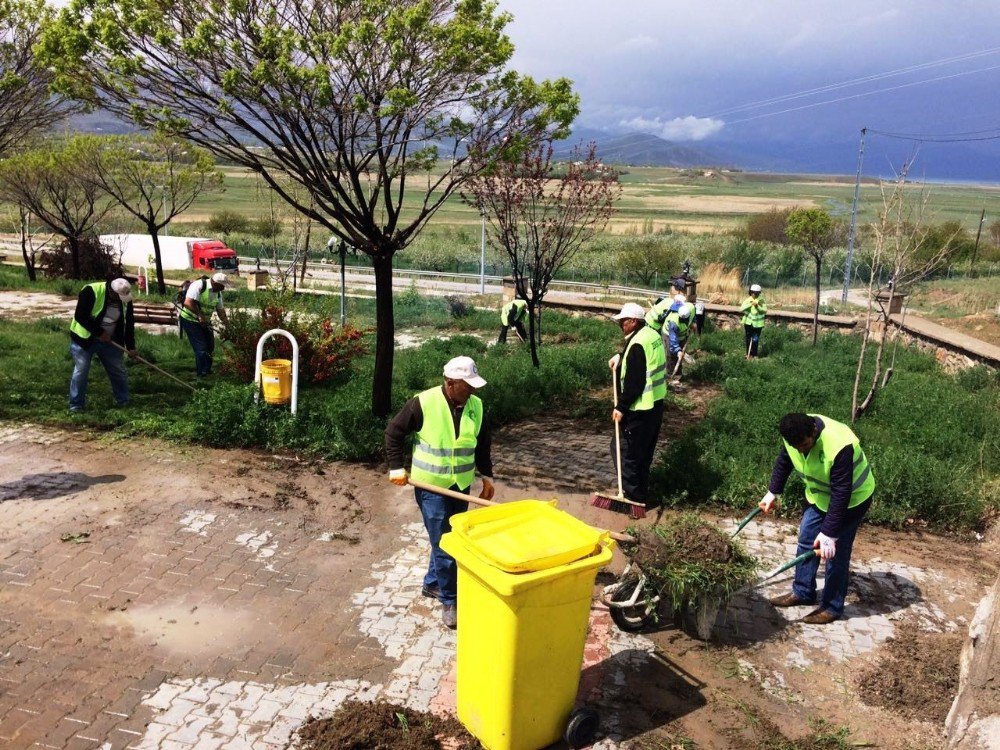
(854, 220)
(975, 250)
(342, 249)
(482, 259)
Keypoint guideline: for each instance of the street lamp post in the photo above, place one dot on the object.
(482, 259)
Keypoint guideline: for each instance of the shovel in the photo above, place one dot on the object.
(790, 564)
(747, 519)
(618, 537)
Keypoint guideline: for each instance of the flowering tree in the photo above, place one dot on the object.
(541, 213)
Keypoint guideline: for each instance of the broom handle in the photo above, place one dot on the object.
(680, 357)
(618, 438)
(150, 364)
(480, 501)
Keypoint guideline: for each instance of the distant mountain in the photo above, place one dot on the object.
(638, 150)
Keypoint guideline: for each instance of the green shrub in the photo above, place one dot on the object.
(228, 222)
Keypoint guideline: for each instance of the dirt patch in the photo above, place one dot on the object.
(384, 726)
(689, 545)
(916, 676)
(764, 734)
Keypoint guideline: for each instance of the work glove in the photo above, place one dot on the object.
(488, 490)
(399, 477)
(613, 362)
(768, 502)
(826, 545)
(133, 354)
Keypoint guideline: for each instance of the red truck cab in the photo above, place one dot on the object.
(213, 255)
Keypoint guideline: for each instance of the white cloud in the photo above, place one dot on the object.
(639, 43)
(688, 128)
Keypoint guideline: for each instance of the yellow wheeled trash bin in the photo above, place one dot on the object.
(526, 575)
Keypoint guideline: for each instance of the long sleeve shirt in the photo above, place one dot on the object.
(630, 387)
(124, 333)
(841, 479)
(410, 419)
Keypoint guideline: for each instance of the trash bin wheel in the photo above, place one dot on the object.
(582, 727)
(635, 618)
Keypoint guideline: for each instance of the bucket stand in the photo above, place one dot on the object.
(295, 363)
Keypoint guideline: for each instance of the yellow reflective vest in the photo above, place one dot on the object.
(656, 367)
(816, 466)
(439, 456)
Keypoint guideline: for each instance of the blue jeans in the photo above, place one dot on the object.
(437, 511)
(111, 358)
(202, 342)
(835, 587)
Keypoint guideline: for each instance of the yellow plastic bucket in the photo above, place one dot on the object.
(276, 380)
(521, 635)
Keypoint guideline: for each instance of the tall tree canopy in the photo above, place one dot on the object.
(359, 102)
(26, 105)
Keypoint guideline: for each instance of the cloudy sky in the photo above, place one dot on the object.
(698, 71)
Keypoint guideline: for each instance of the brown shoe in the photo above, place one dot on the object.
(789, 600)
(820, 617)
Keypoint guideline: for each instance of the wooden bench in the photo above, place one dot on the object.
(160, 314)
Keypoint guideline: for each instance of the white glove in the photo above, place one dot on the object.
(768, 502)
(398, 477)
(613, 362)
(826, 545)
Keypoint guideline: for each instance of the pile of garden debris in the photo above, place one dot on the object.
(384, 726)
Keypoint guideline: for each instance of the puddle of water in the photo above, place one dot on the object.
(188, 630)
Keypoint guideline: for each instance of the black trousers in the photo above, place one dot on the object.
(639, 432)
(518, 326)
(751, 336)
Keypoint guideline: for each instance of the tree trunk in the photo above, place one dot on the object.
(819, 264)
(532, 337)
(74, 252)
(384, 336)
(305, 252)
(29, 259)
(161, 286)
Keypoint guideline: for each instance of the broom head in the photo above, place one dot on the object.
(618, 504)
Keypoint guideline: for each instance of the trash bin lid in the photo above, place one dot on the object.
(525, 535)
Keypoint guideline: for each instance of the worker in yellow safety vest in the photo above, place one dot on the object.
(102, 326)
(754, 308)
(838, 485)
(640, 386)
(511, 315)
(450, 444)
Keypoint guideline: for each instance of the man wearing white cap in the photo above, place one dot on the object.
(103, 318)
(203, 297)
(754, 308)
(641, 386)
(451, 443)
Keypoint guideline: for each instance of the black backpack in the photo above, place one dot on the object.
(182, 293)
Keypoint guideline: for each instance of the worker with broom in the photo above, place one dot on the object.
(102, 325)
(202, 298)
(640, 387)
(839, 485)
(754, 308)
(511, 315)
(451, 443)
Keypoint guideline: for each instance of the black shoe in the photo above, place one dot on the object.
(431, 592)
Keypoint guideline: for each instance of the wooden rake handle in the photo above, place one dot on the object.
(617, 536)
(150, 364)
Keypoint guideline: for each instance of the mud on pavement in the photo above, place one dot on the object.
(222, 597)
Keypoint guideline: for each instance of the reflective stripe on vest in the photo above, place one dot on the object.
(204, 300)
(658, 313)
(682, 317)
(100, 292)
(439, 457)
(656, 367)
(520, 306)
(815, 468)
(753, 316)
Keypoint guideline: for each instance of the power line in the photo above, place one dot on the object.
(864, 93)
(857, 81)
(941, 138)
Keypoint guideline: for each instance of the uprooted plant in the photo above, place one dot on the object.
(687, 558)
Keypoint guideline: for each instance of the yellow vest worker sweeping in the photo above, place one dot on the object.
(754, 308)
(450, 443)
(641, 385)
(102, 319)
(839, 485)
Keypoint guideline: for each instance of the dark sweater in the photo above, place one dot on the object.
(841, 478)
(124, 334)
(630, 387)
(410, 419)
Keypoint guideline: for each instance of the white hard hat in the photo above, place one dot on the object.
(123, 289)
(631, 310)
(219, 278)
(755, 288)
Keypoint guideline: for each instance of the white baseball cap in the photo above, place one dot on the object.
(123, 289)
(755, 288)
(630, 310)
(464, 368)
(219, 278)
